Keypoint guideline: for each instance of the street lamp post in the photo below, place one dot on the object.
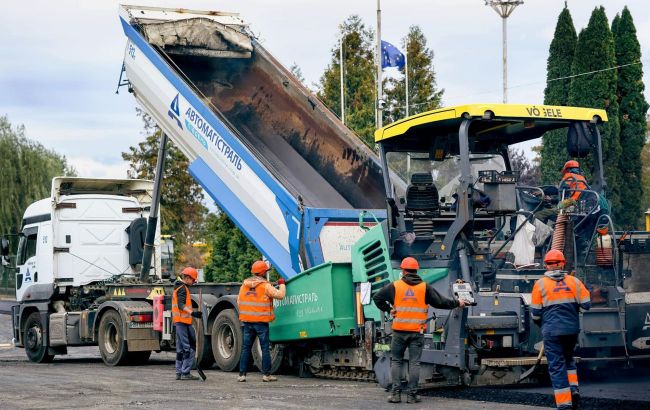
(504, 8)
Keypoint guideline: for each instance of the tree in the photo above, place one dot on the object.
(645, 170)
(297, 72)
(182, 212)
(423, 93)
(595, 55)
(232, 253)
(632, 117)
(529, 173)
(359, 79)
(27, 172)
(553, 153)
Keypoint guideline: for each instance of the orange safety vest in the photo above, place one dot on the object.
(181, 316)
(254, 305)
(574, 181)
(548, 292)
(410, 307)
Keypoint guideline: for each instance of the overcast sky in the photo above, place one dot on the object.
(61, 60)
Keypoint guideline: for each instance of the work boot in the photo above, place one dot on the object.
(269, 378)
(241, 378)
(575, 400)
(395, 397)
(413, 398)
(189, 376)
(178, 376)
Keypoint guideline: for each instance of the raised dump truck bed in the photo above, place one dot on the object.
(264, 148)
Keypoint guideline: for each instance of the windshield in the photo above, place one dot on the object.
(446, 172)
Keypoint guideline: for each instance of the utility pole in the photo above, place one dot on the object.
(342, 89)
(504, 8)
(380, 101)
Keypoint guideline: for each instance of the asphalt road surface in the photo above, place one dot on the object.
(81, 380)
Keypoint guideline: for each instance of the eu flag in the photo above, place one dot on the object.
(391, 56)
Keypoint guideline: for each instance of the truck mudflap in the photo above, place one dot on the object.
(137, 323)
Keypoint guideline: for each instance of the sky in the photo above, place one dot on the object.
(61, 60)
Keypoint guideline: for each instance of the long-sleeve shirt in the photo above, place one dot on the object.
(556, 301)
(386, 296)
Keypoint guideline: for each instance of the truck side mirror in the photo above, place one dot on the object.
(4, 251)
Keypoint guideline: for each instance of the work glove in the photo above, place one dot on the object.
(281, 281)
(197, 314)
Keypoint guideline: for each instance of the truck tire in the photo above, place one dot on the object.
(112, 345)
(34, 340)
(227, 340)
(277, 353)
(204, 347)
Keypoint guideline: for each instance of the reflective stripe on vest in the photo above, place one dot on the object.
(410, 307)
(180, 316)
(254, 305)
(567, 290)
(574, 181)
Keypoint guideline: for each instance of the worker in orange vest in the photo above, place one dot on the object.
(182, 314)
(572, 178)
(255, 302)
(556, 301)
(408, 300)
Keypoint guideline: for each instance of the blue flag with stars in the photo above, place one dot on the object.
(391, 56)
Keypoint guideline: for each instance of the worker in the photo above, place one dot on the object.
(407, 299)
(572, 178)
(556, 300)
(182, 314)
(255, 302)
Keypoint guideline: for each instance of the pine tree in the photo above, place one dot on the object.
(553, 153)
(594, 52)
(359, 79)
(423, 93)
(182, 212)
(632, 116)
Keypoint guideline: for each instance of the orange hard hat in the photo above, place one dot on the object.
(409, 263)
(570, 164)
(554, 257)
(259, 268)
(191, 272)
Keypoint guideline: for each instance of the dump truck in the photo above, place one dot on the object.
(334, 219)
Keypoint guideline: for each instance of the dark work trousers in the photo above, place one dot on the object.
(562, 367)
(399, 343)
(261, 330)
(185, 342)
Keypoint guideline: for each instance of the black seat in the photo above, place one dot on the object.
(422, 203)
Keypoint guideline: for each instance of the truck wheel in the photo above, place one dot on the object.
(204, 347)
(34, 340)
(277, 353)
(227, 340)
(112, 345)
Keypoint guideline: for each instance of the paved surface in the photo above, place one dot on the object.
(81, 380)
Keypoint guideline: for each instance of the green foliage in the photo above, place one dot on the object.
(359, 79)
(423, 93)
(232, 253)
(27, 172)
(645, 171)
(182, 213)
(297, 72)
(594, 52)
(632, 116)
(553, 153)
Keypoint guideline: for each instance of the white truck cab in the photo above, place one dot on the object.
(80, 235)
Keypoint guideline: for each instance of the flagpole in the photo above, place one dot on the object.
(341, 70)
(406, 74)
(379, 91)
